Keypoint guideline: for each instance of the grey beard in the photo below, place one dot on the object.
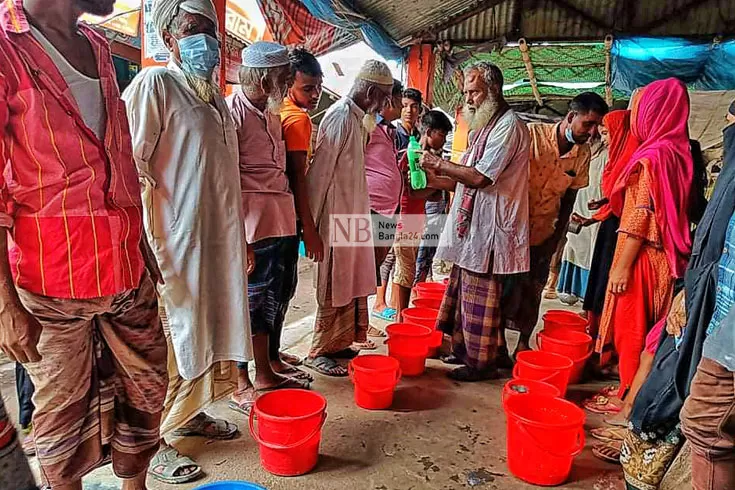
(205, 89)
(275, 103)
(482, 115)
(369, 122)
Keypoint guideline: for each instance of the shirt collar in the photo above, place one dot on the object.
(401, 129)
(354, 108)
(14, 17)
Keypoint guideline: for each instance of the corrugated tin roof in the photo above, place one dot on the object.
(550, 20)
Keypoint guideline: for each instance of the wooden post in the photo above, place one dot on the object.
(608, 70)
(523, 46)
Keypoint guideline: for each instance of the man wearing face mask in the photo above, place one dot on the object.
(337, 185)
(185, 147)
(559, 166)
(270, 216)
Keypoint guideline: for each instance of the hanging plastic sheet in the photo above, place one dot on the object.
(703, 66)
(350, 20)
(292, 25)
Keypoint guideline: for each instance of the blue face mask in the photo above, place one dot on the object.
(199, 55)
(569, 136)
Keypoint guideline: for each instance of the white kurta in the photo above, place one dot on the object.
(580, 247)
(186, 152)
(337, 185)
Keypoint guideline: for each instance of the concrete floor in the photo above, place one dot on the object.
(439, 434)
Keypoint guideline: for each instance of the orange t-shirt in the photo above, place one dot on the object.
(297, 127)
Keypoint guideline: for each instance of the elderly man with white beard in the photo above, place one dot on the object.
(270, 216)
(337, 185)
(185, 147)
(486, 234)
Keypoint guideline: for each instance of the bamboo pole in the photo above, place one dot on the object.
(523, 46)
(608, 70)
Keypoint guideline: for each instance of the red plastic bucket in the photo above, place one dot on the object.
(375, 377)
(577, 346)
(445, 281)
(421, 316)
(547, 367)
(409, 344)
(289, 430)
(563, 319)
(431, 287)
(544, 434)
(521, 387)
(434, 295)
(433, 304)
(435, 341)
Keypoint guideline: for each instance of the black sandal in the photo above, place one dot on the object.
(326, 366)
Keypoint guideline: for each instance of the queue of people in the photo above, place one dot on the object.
(155, 235)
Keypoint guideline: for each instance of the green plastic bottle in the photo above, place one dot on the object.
(417, 174)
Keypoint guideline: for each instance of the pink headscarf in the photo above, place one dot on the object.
(659, 120)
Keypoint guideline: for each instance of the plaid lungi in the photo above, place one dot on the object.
(470, 313)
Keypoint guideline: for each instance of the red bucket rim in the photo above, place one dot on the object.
(393, 361)
(417, 303)
(530, 382)
(544, 401)
(553, 336)
(430, 313)
(267, 416)
(431, 286)
(394, 326)
(567, 315)
(568, 363)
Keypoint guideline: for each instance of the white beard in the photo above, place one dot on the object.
(369, 122)
(275, 102)
(205, 89)
(479, 118)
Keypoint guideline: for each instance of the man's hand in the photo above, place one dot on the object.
(429, 161)
(313, 244)
(577, 218)
(619, 279)
(19, 334)
(677, 319)
(250, 259)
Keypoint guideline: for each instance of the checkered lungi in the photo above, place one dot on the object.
(470, 313)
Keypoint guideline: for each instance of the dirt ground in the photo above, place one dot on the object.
(439, 434)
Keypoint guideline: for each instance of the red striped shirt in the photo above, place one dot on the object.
(71, 202)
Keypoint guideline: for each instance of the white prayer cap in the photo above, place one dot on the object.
(375, 71)
(164, 11)
(264, 54)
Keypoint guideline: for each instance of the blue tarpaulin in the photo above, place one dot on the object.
(701, 65)
(372, 33)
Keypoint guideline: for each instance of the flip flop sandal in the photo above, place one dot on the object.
(607, 434)
(208, 427)
(326, 366)
(367, 345)
(375, 332)
(297, 374)
(243, 408)
(291, 359)
(609, 391)
(601, 405)
(388, 314)
(610, 453)
(472, 375)
(167, 462)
